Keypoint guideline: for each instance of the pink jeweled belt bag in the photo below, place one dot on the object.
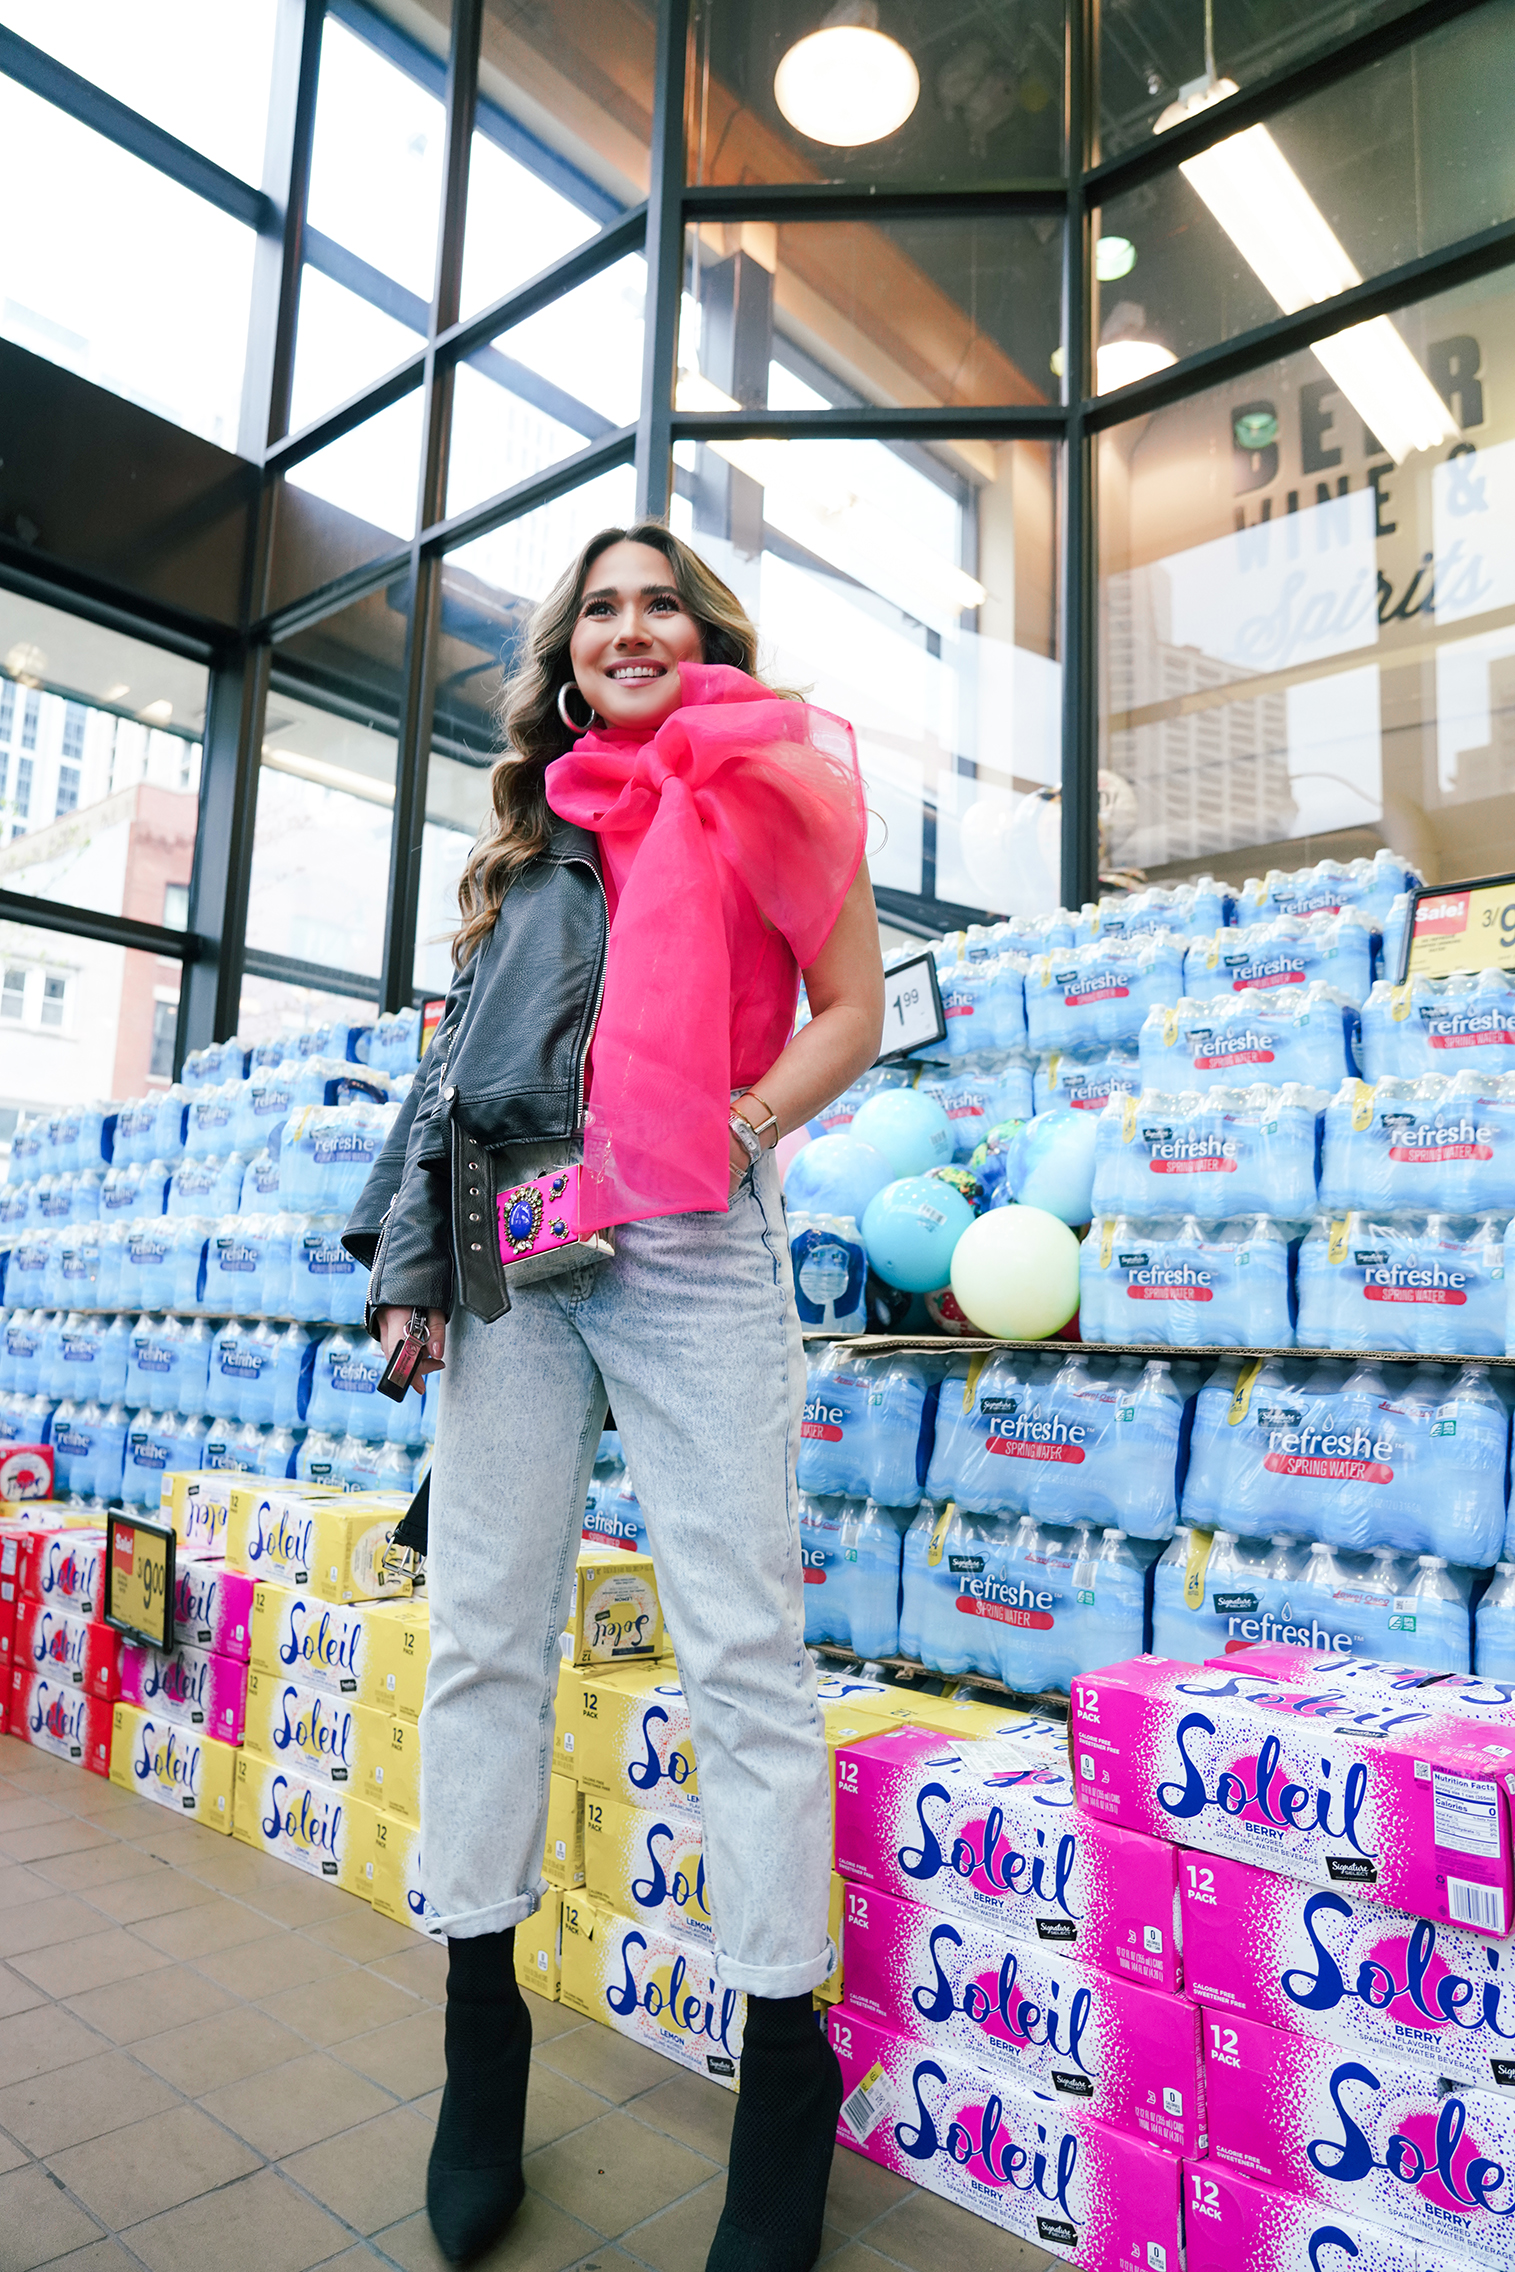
(539, 1231)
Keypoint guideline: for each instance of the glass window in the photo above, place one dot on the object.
(101, 811)
(343, 344)
(567, 87)
(200, 68)
(117, 273)
(457, 806)
(376, 162)
(270, 1007)
(175, 907)
(160, 1063)
(7, 709)
(326, 791)
(912, 93)
(1410, 156)
(1308, 647)
(908, 312)
(910, 588)
(533, 395)
(79, 1017)
(1149, 51)
(526, 209)
(489, 588)
(352, 502)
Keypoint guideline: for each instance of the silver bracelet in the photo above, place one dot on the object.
(747, 1137)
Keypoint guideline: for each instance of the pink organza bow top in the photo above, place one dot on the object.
(728, 840)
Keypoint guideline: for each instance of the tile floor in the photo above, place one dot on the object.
(209, 2062)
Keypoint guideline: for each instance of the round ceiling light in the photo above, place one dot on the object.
(846, 85)
(1121, 361)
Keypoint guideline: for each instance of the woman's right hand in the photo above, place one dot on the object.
(389, 1329)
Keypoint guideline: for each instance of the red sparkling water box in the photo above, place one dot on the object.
(62, 1719)
(68, 1648)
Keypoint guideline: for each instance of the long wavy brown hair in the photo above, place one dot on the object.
(534, 733)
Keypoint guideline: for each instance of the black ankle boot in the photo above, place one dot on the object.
(781, 2141)
(473, 2180)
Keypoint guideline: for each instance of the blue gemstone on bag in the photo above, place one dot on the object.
(520, 1223)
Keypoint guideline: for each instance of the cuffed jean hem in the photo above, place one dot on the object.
(473, 1923)
(776, 1979)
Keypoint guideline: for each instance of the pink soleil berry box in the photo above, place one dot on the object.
(1338, 1793)
(193, 1686)
(1036, 2018)
(1232, 2224)
(966, 1828)
(1319, 1961)
(1052, 2175)
(212, 1606)
(1417, 1695)
(1378, 2138)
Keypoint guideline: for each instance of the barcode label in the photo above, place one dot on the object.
(1466, 1814)
(865, 2106)
(1481, 1905)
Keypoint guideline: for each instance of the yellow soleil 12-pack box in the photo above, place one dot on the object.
(394, 1874)
(617, 1617)
(196, 1501)
(539, 1948)
(325, 1832)
(632, 1741)
(333, 1546)
(647, 1866)
(339, 1646)
(658, 1990)
(389, 1763)
(396, 1652)
(174, 1766)
(295, 1723)
(563, 1852)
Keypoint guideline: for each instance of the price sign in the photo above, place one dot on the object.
(1466, 926)
(139, 1580)
(431, 1017)
(912, 1007)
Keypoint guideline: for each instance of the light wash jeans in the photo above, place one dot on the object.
(692, 1332)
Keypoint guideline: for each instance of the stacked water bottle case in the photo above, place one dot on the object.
(176, 1294)
(1291, 1151)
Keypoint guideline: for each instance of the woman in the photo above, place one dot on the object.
(635, 923)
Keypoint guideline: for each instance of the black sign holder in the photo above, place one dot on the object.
(139, 1579)
(912, 1008)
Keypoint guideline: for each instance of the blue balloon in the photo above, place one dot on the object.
(910, 1230)
(835, 1175)
(1050, 1165)
(910, 1129)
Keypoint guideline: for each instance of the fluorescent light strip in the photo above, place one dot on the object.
(1265, 209)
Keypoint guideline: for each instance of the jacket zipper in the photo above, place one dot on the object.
(599, 996)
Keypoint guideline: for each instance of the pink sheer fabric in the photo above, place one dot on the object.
(729, 839)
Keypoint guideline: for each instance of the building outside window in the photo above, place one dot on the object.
(23, 801)
(54, 1000)
(74, 715)
(160, 1063)
(7, 707)
(68, 790)
(29, 718)
(13, 993)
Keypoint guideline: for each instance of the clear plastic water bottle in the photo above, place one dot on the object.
(872, 1545)
(260, 1184)
(1434, 1631)
(280, 1448)
(110, 1451)
(236, 1256)
(259, 1351)
(1494, 1627)
(191, 1235)
(224, 1378)
(194, 1364)
(294, 1366)
(150, 1261)
(108, 1274)
(317, 1458)
(399, 1466)
(330, 1408)
(862, 1435)
(284, 1232)
(826, 1618)
(170, 1114)
(7, 1361)
(1109, 1604)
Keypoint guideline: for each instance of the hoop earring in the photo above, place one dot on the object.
(568, 687)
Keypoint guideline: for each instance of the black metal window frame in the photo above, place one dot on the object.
(213, 948)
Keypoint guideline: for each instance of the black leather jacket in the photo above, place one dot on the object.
(505, 1067)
